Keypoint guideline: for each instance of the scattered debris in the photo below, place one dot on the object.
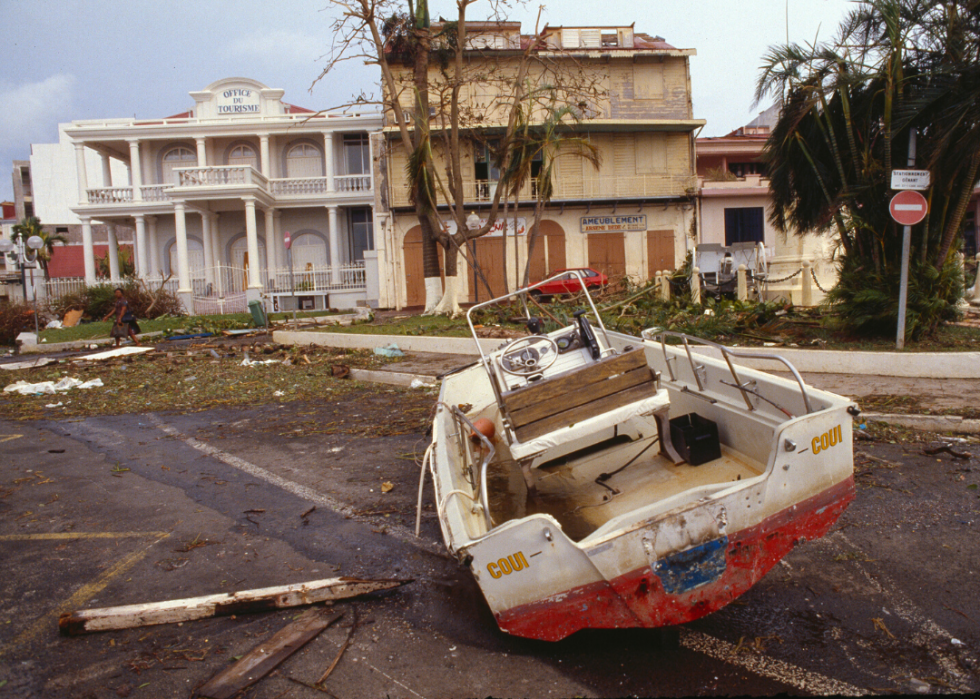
(72, 318)
(880, 625)
(113, 353)
(343, 648)
(50, 387)
(339, 371)
(387, 487)
(225, 604)
(391, 350)
(29, 364)
(265, 657)
(946, 449)
(419, 383)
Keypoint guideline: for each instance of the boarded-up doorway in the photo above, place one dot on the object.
(607, 254)
(414, 269)
(490, 257)
(548, 254)
(660, 252)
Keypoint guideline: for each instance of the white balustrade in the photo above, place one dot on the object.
(223, 176)
(298, 186)
(352, 183)
(155, 192)
(110, 195)
(350, 277)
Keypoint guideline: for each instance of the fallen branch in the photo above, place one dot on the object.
(343, 648)
(264, 658)
(244, 602)
(946, 449)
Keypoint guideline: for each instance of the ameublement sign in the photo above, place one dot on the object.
(608, 224)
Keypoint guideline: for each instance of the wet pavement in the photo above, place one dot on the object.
(117, 510)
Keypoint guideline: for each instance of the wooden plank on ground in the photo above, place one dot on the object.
(600, 389)
(583, 412)
(226, 604)
(574, 380)
(264, 658)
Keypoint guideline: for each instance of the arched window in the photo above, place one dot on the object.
(243, 154)
(309, 251)
(176, 158)
(304, 160)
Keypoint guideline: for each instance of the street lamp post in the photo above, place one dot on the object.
(25, 260)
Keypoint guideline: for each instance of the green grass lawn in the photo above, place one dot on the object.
(171, 325)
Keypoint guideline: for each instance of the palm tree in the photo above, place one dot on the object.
(849, 107)
(31, 226)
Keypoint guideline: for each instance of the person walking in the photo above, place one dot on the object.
(125, 322)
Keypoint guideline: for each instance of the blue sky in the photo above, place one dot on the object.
(91, 59)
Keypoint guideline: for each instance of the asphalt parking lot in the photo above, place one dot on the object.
(103, 511)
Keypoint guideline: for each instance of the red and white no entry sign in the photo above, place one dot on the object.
(286, 239)
(908, 207)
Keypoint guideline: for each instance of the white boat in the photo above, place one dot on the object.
(578, 509)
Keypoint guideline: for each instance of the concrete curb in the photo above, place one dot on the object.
(927, 423)
(410, 343)
(50, 347)
(912, 365)
(392, 378)
(916, 365)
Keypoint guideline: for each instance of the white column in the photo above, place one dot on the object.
(106, 170)
(264, 155)
(328, 159)
(280, 243)
(82, 175)
(113, 252)
(156, 269)
(142, 267)
(88, 251)
(216, 254)
(252, 238)
(206, 234)
(136, 170)
(270, 244)
(334, 244)
(202, 152)
(183, 261)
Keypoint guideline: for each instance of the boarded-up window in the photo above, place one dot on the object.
(651, 153)
(304, 160)
(648, 81)
(243, 154)
(607, 254)
(660, 251)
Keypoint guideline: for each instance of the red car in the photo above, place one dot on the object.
(568, 282)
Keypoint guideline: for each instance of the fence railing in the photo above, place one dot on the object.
(220, 176)
(349, 277)
(109, 195)
(632, 186)
(352, 183)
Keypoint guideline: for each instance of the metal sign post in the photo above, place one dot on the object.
(903, 288)
(292, 279)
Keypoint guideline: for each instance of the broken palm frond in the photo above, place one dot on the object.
(264, 658)
(226, 604)
(946, 449)
(340, 653)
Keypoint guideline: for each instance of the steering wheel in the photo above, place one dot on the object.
(528, 355)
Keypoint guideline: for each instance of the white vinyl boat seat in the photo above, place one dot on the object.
(587, 400)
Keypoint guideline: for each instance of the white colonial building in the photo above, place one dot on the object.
(211, 193)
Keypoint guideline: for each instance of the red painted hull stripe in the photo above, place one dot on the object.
(638, 598)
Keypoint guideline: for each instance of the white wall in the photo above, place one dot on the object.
(55, 178)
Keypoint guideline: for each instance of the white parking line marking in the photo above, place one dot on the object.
(764, 666)
(302, 491)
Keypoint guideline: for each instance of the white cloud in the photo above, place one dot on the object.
(279, 48)
(30, 112)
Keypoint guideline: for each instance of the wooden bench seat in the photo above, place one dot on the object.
(550, 404)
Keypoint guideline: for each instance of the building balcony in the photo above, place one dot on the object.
(234, 180)
(627, 187)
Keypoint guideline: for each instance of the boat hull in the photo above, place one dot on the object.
(676, 591)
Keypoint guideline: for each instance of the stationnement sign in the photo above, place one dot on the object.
(908, 208)
(910, 179)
